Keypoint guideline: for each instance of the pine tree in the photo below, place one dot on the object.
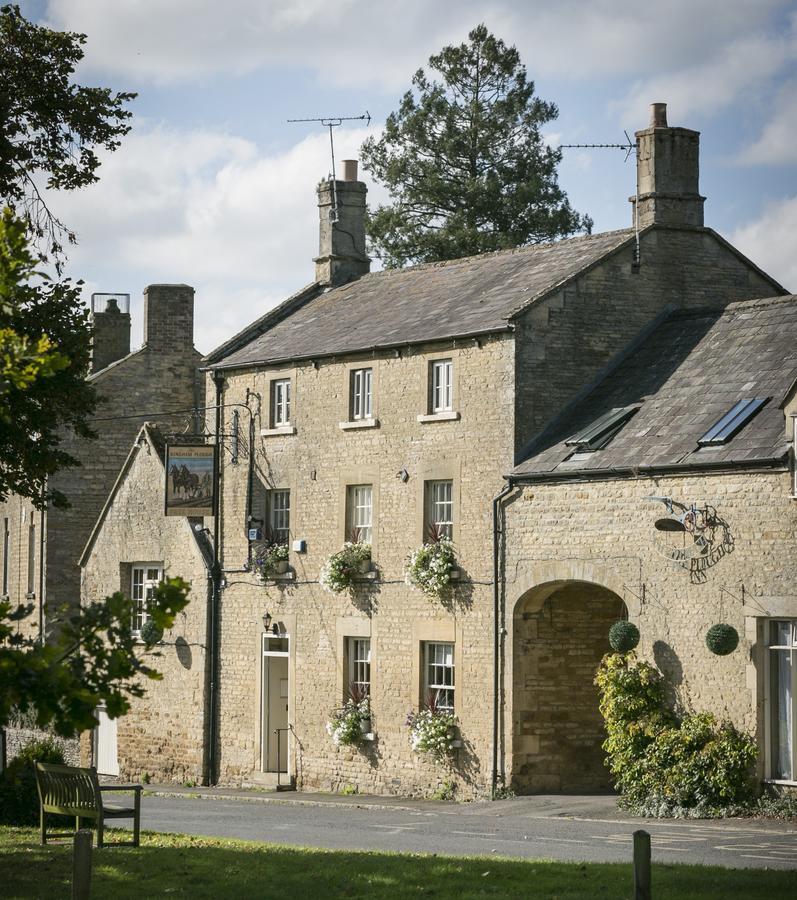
(465, 162)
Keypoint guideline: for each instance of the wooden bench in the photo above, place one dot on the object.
(71, 791)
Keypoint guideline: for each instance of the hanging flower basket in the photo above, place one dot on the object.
(623, 636)
(340, 571)
(349, 724)
(150, 633)
(430, 568)
(432, 731)
(722, 639)
(271, 560)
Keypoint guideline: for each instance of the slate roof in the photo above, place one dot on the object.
(474, 295)
(685, 375)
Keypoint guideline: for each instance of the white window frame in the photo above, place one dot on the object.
(279, 515)
(6, 555)
(358, 652)
(438, 660)
(142, 589)
(441, 386)
(280, 402)
(31, 573)
(360, 512)
(439, 508)
(361, 394)
(773, 652)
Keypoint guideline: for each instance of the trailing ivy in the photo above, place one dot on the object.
(664, 765)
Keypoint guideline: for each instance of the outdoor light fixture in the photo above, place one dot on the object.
(267, 621)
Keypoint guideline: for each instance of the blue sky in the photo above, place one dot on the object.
(215, 189)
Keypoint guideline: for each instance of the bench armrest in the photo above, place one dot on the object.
(121, 787)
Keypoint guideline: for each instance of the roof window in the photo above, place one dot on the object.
(732, 422)
(597, 435)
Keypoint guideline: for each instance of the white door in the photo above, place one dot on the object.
(105, 757)
(275, 705)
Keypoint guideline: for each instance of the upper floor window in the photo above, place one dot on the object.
(360, 401)
(279, 516)
(441, 384)
(439, 514)
(439, 675)
(280, 402)
(145, 578)
(359, 512)
(359, 663)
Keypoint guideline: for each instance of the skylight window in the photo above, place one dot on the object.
(732, 422)
(597, 435)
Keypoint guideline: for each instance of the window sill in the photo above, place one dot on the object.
(274, 432)
(279, 578)
(780, 781)
(31, 595)
(370, 575)
(358, 423)
(447, 415)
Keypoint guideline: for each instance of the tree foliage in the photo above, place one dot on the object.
(465, 162)
(44, 357)
(94, 661)
(49, 126)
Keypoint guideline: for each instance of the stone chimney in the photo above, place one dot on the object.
(110, 324)
(341, 246)
(168, 317)
(668, 162)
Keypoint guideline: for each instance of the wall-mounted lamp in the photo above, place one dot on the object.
(403, 476)
(267, 621)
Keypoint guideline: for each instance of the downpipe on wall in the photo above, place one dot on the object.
(497, 533)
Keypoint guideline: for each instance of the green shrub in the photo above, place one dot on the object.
(19, 799)
(623, 636)
(663, 765)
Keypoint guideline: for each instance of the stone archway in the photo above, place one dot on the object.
(560, 633)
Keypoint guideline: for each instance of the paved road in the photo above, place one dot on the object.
(508, 828)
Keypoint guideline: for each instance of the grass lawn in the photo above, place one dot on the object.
(181, 865)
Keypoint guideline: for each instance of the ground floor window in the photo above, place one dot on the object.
(782, 710)
(439, 675)
(145, 579)
(359, 653)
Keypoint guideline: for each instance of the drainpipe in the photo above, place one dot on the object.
(497, 627)
(42, 548)
(215, 596)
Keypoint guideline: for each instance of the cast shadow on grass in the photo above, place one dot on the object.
(199, 867)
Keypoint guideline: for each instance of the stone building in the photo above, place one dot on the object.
(40, 550)
(131, 548)
(394, 400)
(665, 495)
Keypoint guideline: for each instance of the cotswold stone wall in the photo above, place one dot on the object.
(316, 464)
(597, 540)
(163, 734)
(564, 340)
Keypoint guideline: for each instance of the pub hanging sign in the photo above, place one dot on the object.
(190, 479)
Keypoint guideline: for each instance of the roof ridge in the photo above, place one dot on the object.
(508, 251)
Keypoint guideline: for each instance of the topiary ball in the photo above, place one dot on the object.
(150, 633)
(623, 636)
(722, 639)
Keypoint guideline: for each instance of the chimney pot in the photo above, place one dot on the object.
(350, 170)
(658, 115)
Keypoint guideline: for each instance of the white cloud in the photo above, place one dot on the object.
(769, 241)
(381, 43)
(209, 210)
(778, 140)
(722, 75)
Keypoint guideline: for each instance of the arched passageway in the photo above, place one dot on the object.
(560, 633)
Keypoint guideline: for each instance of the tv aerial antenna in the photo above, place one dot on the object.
(630, 147)
(331, 122)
